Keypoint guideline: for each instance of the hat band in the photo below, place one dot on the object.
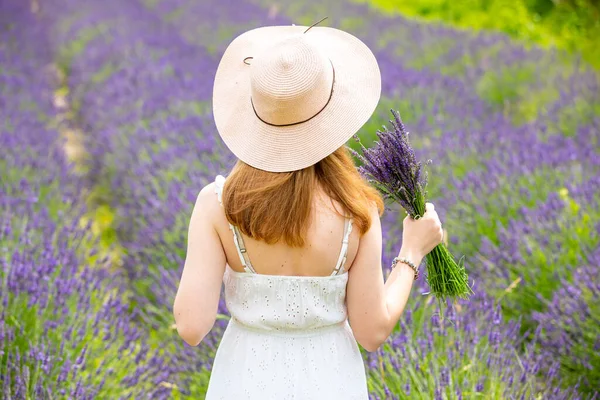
(308, 119)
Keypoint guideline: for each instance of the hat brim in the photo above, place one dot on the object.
(356, 92)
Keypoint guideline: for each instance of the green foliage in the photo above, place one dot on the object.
(410, 112)
(505, 87)
(547, 255)
(573, 115)
(573, 25)
(525, 93)
(431, 54)
(72, 49)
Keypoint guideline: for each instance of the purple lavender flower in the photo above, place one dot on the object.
(391, 166)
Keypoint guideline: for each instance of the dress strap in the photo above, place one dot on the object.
(237, 236)
(339, 268)
(241, 249)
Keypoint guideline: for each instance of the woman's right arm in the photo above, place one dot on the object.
(374, 307)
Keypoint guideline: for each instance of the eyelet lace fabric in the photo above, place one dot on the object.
(288, 338)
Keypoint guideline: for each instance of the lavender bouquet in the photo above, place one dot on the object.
(391, 167)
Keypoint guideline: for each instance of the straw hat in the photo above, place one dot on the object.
(286, 97)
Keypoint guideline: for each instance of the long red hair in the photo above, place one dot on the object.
(269, 206)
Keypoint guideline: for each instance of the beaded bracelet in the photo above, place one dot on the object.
(407, 262)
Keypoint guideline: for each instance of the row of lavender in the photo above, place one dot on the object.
(133, 79)
(140, 77)
(65, 327)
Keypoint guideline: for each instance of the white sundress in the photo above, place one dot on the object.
(288, 336)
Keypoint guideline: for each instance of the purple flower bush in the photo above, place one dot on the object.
(134, 52)
(560, 231)
(512, 130)
(473, 352)
(569, 326)
(65, 329)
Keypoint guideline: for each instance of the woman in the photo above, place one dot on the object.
(294, 231)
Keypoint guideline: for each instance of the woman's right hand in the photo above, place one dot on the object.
(424, 234)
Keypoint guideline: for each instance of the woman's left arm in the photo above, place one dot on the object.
(197, 299)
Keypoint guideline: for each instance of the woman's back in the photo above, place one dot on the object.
(317, 258)
(288, 316)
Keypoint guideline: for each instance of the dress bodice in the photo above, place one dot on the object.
(285, 303)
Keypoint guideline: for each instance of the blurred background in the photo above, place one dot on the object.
(106, 138)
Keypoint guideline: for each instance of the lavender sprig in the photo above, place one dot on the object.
(391, 166)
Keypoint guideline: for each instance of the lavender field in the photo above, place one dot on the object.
(106, 138)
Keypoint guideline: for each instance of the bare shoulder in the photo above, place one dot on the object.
(208, 190)
(207, 202)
